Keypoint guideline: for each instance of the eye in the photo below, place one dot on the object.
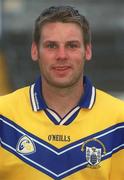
(51, 45)
(72, 45)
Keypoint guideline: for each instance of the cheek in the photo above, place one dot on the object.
(44, 62)
(79, 63)
(79, 59)
(43, 58)
(46, 56)
(79, 54)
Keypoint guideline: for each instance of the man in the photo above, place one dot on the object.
(61, 127)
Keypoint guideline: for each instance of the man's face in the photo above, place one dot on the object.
(61, 54)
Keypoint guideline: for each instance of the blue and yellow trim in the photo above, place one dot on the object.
(70, 158)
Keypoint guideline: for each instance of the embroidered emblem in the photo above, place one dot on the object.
(25, 145)
(94, 150)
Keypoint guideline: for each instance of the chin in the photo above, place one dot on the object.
(63, 84)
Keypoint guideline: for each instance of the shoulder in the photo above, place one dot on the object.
(110, 107)
(108, 101)
(13, 99)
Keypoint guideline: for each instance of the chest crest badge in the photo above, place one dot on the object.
(25, 145)
(94, 149)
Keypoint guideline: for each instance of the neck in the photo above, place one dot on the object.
(62, 100)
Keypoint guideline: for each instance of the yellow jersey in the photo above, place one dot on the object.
(37, 144)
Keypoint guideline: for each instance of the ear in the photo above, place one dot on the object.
(88, 52)
(34, 52)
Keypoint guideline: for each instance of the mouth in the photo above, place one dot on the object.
(61, 70)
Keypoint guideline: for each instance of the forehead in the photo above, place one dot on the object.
(60, 30)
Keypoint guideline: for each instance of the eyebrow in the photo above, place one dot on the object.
(53, 41)
(73, 41)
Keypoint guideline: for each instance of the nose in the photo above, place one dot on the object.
(62, 53)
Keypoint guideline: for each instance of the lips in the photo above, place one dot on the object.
(61, 68)
(61, 71)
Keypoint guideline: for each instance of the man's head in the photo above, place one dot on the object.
(63, 14)
(61, 45)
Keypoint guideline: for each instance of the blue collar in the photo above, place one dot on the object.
(38, 103)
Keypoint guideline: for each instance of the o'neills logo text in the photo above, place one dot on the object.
(57, 137)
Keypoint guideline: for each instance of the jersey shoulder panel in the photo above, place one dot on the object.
(109, 103)
(12, 101)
